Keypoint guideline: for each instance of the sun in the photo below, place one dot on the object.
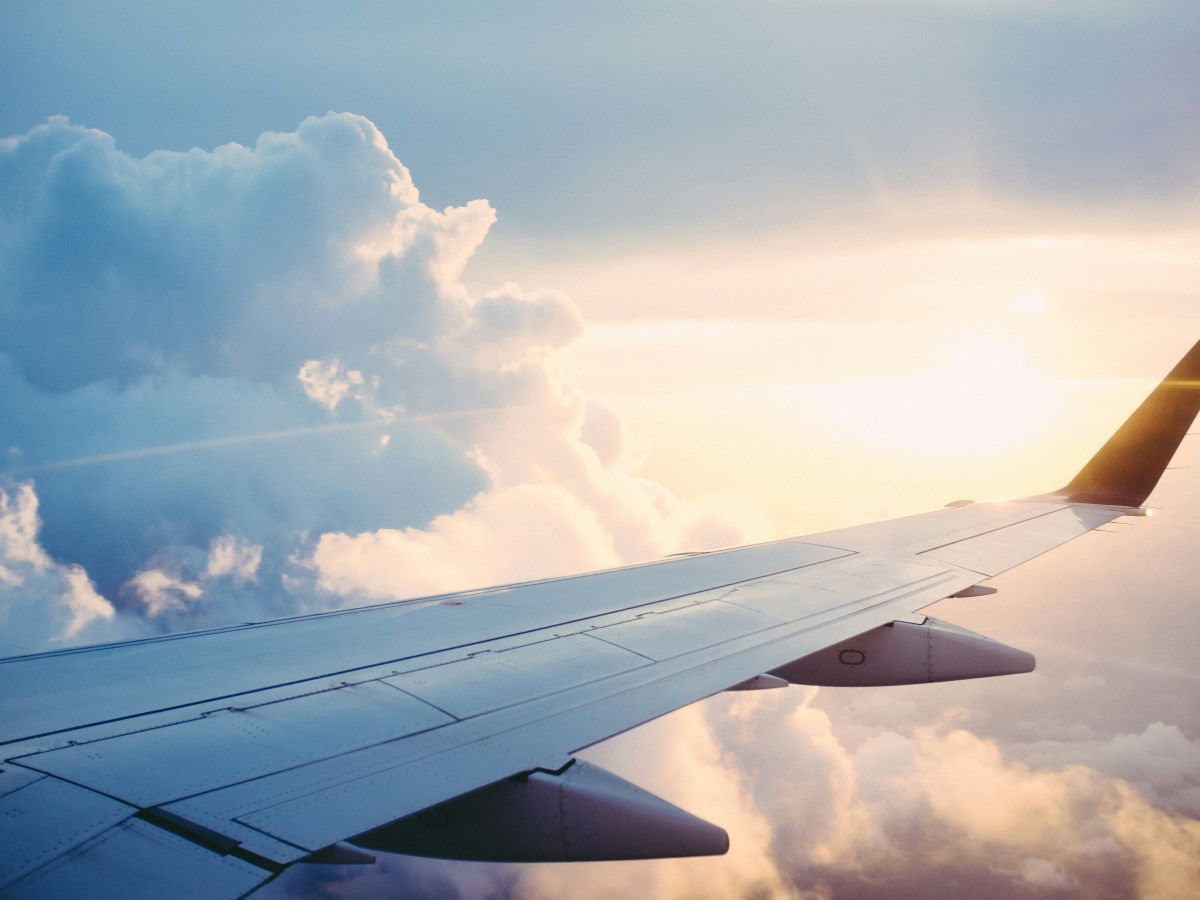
(985, 393)
(1031, 303)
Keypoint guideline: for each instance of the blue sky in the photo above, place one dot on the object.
(560, 286)
(601, 117)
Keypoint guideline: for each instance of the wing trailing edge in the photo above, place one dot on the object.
(1126, 469)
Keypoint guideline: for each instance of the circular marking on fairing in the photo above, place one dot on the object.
(852, 657)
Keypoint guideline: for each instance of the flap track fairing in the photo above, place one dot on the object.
(579, 813)
(907, 653)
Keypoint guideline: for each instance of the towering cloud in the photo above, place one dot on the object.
(249, 381)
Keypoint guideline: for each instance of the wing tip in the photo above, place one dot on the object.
(1127, 468)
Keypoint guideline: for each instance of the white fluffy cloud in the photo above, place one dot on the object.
(492, 540)
(904, 811)
(44, 604)
(229, 557)
(248, 381)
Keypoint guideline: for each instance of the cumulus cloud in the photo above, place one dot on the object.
(934, 804)
(44, 604)
(1160, 762)
(161, 591)
(489, 541)
(909, 813)
(227, 556)
(18, 530)
(249, 381)
(326, 383)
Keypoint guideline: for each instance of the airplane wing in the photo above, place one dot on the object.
(206, 763)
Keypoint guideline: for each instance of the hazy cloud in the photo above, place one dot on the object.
(227, 556)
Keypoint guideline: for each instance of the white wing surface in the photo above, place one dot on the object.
(208, 762)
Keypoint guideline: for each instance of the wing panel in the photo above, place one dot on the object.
(916, 534)
(13, 778)
(377, 787)
(660, 636)
(858, 577)
(152, 767)
(588, 595)
(259, 765)
(45, 818)
(999, 550)
(41, 694)
(492, 680)
(136, 859)
(315, 805)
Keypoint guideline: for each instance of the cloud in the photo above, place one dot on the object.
(18, 530)
(936, 804)
(163, 591)
(1160, 762)
(489, 541)
(249, 381)
(326, 383)
(44, 604)
(227, 556)
(905, 814)
(155, 312)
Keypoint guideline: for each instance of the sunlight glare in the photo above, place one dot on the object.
(1031, 303)
(986, 394)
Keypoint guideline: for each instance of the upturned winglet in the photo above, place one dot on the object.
(1125, 470)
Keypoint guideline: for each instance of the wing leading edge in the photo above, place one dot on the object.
(211, 761)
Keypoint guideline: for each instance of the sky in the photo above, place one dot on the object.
(306, 306)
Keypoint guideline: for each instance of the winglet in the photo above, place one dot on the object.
(1125, 470)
